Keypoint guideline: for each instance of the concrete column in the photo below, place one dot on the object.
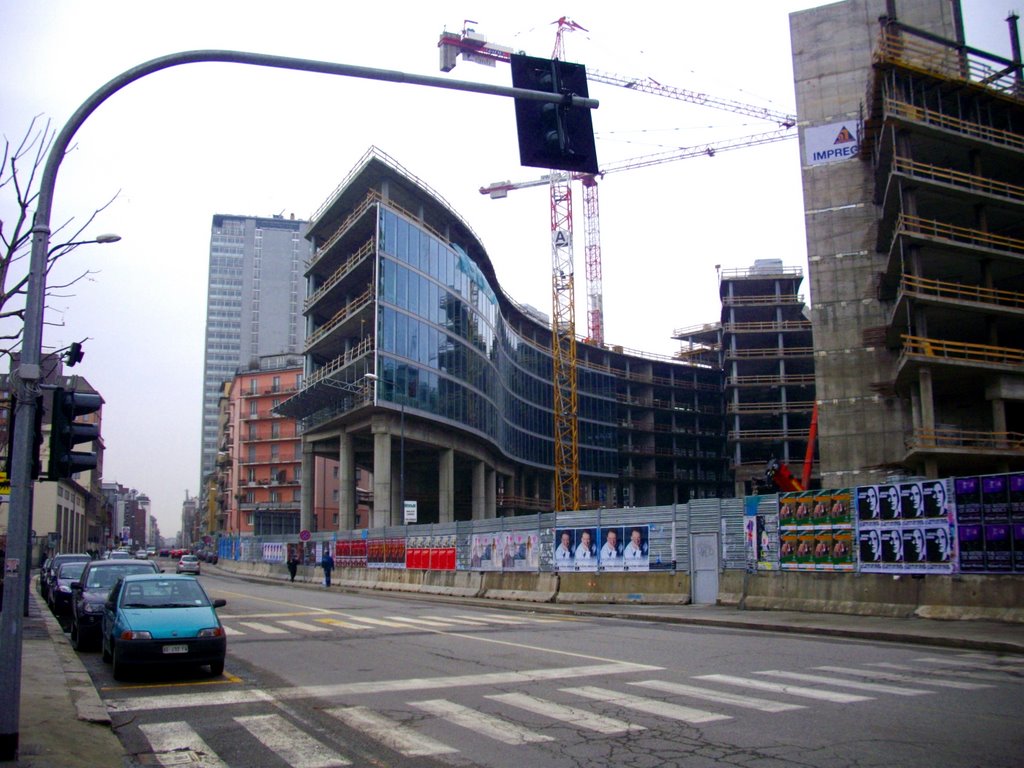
(479, 502)
(446, 484)
(306, 489)
(924, 380)
(346, 483)
(999, 420)
(381, 473)
(397, 516)
(491, 504)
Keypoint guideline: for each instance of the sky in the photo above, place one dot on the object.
(180, 145)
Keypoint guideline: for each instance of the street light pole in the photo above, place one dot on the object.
(27, 375)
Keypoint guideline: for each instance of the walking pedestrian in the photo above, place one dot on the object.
(327, 563)
(293, 565)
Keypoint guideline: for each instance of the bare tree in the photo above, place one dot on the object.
(20, 172)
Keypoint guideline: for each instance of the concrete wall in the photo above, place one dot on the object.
(999, 598)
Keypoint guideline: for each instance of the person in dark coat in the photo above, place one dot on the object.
(327, 563)
(293, 565)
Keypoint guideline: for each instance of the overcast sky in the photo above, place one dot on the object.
(183, 144)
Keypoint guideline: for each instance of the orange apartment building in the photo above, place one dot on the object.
(259, 461)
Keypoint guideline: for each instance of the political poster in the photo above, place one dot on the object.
(819, 533)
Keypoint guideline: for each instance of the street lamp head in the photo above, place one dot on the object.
(370, 376)
(107, 238)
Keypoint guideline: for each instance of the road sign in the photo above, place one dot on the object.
(410, 511)
(304, 535)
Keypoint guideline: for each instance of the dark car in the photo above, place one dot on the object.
(158, 620)
(60, 587)
(89, 593)
(48, 573)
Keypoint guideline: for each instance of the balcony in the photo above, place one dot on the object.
(367, 250)
(371, 199)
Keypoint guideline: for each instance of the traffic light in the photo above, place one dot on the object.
(553, 135)
(66, 433)
(74, 354)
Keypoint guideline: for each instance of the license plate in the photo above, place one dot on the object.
(175, 649)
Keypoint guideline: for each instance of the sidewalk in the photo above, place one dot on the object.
(65, 725)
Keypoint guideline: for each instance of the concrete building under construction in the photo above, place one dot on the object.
(912, 150)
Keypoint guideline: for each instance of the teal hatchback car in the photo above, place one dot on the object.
(154, 620)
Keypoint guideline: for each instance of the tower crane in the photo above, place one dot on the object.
(474, 47)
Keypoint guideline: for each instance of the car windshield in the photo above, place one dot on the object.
(104, 578)
(163, 593)
(71, 570)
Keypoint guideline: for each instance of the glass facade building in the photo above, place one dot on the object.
(416, 361)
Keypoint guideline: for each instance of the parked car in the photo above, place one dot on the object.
(188, 564)
(164, 553)
(59, 594)
(155, 620)
(90, 592)
(119, 554)
(48, 572)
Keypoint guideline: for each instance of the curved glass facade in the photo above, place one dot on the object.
(445, 348)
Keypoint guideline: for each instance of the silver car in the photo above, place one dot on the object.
(188, 564)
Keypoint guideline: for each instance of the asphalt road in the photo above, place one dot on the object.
(318, 679)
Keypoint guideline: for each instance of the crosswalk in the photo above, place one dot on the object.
(630, 699)
(321, 621)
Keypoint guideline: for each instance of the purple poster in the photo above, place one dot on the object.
(1016, 494)
(998, 551)
(1018, 547)
(972, 548)
(995, 501)
(968, 500)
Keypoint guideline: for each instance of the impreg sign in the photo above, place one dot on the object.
(831, 143)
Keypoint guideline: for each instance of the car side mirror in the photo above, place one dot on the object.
(220, 602)
(76, 585)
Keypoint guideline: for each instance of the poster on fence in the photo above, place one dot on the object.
(989, 515)
(817, 534)
(576, 549)
(905, 527)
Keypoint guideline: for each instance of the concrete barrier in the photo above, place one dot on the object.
(933, 596)
(659, 587)
(529, 587)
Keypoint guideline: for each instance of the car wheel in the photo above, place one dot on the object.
(119, 667)
(216, 668)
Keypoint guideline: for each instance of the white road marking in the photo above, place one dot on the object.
(914, 680)
(791, 690)
(424, 622)
(266, 629)
(374, 622)
(749, 702)
(187, 700)
(389, 733)
(566, 714)
(927, 673)
(650, 706)
(248, 695)
(854, 684)
(291, 744)
(970, 664)
(340, 623)
(480, 722)
(232, 631)
(304, 626)
(170, 740)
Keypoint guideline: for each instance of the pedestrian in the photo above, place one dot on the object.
(293, 565)
(327, 563)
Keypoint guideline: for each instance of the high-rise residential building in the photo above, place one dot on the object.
(912, 150)
(254, 304)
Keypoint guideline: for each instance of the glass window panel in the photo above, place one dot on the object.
(402, 293)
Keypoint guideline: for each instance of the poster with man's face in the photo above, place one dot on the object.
(912, 501)
(892, 545)
(870, 545)
(934, 493)
(915, 546)
(939, 543)
(867, 503)
(889, 502)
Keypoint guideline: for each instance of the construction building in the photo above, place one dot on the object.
(421, 369)
(913, 150)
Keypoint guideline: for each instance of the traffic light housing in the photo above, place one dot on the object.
(66, 432)
(551, 135)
